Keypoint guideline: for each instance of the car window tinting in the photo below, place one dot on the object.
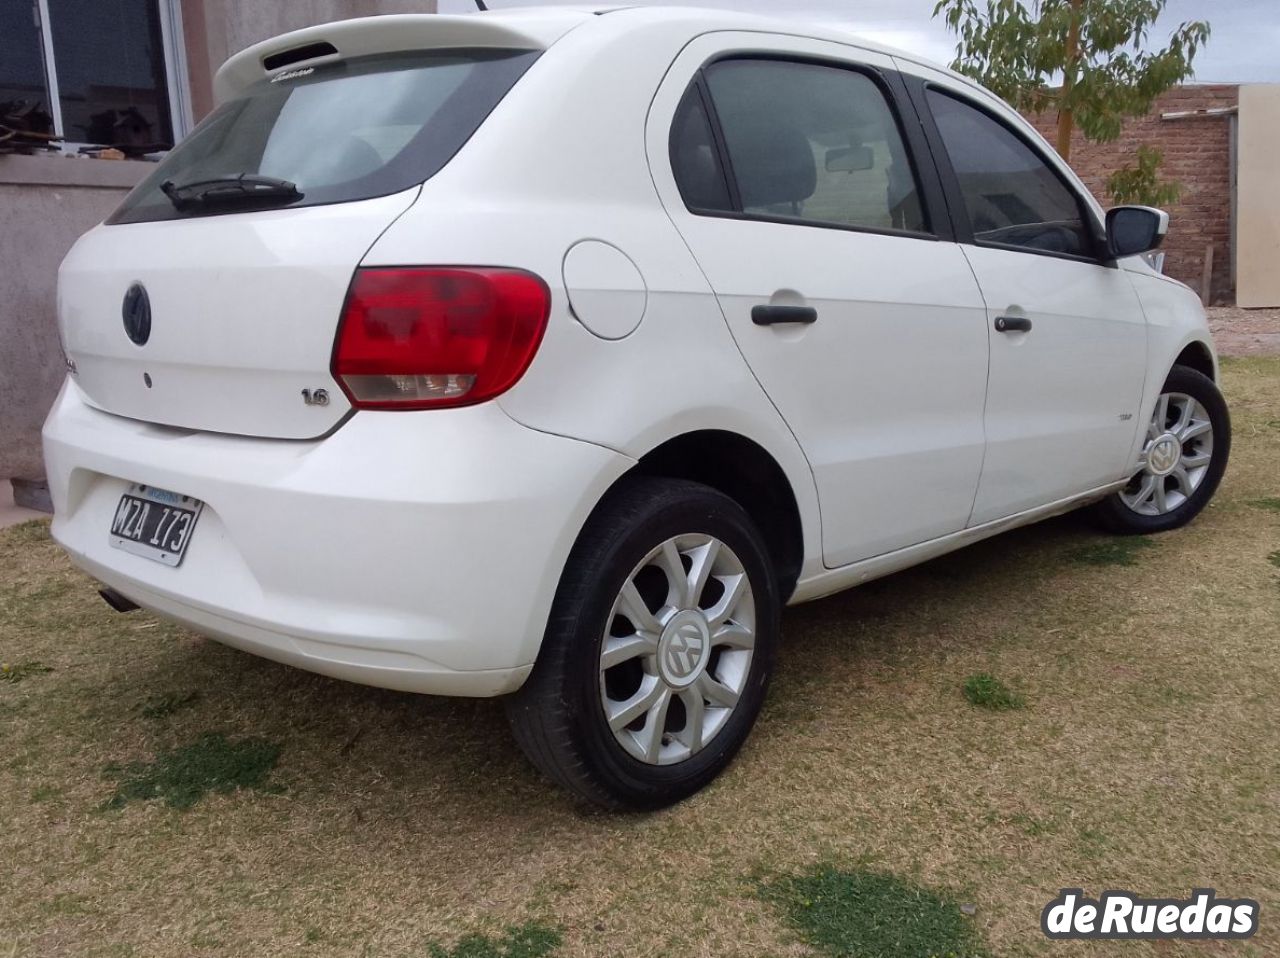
(1014, 198)
(350, 130)
(694, 158)
(815, 143)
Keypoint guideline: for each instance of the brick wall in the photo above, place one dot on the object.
(1197, 155)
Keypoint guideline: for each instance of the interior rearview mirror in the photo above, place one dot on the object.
(850, 159)
(1135, 229)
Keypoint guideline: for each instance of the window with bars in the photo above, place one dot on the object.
(92, 73)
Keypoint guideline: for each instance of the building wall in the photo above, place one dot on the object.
(1197, 154)
(1259, 175)
(47, 202)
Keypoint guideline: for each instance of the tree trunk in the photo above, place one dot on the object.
(1071, 65)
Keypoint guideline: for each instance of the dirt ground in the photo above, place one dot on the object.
(1245, 332)
(163, 796)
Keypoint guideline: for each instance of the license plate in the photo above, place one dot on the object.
(155, 523)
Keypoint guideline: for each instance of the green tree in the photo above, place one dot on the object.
(1141, 182)
(1088, 60)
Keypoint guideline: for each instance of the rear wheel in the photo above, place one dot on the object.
(658, 651)
(1188, 442)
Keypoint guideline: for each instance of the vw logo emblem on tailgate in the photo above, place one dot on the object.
(137, 314)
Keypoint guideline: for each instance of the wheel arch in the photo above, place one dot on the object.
(746, 472)
(1198, 356)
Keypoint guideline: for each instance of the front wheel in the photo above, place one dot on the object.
(1185, 454)
(658, 650)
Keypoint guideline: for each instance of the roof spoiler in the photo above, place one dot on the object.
(396, 33)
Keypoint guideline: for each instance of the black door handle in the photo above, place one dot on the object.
(1013, 324)
(772, 315)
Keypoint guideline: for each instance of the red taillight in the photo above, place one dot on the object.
(427, 338)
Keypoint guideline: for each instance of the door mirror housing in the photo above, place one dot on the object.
(1132, 230)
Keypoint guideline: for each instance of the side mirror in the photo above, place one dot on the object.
(850, 159)
(1135, 229)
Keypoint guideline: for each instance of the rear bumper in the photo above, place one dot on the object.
(414, 551)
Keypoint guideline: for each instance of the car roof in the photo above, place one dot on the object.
(527, 28)
(707, 19)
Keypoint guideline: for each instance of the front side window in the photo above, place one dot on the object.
(813, 143)
(344, 131)
(1013, 197)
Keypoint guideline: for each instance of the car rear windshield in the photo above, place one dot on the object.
(349, 130)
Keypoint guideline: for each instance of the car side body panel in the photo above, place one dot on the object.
(1090, 341)
(562, 160)
(885, 390)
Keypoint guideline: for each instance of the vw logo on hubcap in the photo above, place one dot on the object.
(136, 311)
(684, 651)
(1165, 454)
(684, 648)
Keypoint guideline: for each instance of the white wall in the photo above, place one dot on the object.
(1258, 220)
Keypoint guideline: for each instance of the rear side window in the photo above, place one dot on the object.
(345, 131)
(814, 143)
(694, 158)
(1013, 197)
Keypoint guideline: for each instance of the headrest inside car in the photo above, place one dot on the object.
(774, 162)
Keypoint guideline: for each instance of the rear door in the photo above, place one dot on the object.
(1068, 335)
(803, 190)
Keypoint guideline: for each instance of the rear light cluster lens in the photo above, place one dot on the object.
(431, 338)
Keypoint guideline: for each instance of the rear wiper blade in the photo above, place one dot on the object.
(230, 190)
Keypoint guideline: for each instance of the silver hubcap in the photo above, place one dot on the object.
(1175, 459)
(677, 650)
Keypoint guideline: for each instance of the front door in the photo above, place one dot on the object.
(1068, 335)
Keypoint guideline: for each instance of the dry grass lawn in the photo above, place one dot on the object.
(1145, 756)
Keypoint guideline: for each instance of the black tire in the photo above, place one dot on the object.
(1114, 515)
(558, 718)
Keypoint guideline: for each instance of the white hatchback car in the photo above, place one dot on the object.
(549, 354)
